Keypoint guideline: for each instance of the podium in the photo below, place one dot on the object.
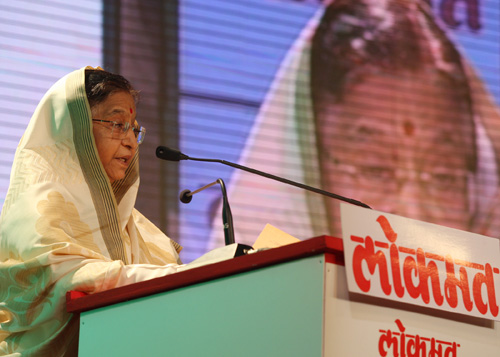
(287, 301)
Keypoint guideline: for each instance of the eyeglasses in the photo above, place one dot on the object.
(119, 130)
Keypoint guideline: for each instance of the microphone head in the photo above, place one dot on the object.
(165, 153)
(185, 196)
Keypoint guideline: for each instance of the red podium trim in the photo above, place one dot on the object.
(332, 248)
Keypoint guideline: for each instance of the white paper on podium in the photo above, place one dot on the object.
(270, 237)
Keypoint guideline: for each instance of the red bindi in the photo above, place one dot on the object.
(409, 128)
(131, 110)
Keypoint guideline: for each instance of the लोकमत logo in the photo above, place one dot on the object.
(424, 265)
(420, 263)
(399, 343)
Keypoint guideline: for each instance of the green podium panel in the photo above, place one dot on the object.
(272, 311)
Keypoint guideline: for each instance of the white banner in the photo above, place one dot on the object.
(419, 263)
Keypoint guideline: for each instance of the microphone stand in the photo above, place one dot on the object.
(227, 217)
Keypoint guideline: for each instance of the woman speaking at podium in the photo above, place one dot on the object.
(68, 221)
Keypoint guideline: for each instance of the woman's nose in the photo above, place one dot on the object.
(130, 140)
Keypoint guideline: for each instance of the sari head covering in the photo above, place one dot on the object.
(64, 227)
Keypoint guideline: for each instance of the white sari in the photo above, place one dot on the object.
(65, 227)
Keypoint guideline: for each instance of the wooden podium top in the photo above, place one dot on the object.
(77, 302)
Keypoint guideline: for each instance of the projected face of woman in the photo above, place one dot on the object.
(400, 144)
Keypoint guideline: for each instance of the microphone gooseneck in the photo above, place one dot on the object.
(227, 217)
(168, 154)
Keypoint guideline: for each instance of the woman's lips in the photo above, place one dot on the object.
(124, 160)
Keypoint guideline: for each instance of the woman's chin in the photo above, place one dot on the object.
(116, 175)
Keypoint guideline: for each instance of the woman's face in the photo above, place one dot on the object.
(115, 153)
(401, 145)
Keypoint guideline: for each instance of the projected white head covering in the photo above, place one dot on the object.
(283, 141)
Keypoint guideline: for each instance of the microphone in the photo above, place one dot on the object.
(227, 217)
(165, 153)
(186, 196)
(168, 154)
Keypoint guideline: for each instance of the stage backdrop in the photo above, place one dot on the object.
(393, 103)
